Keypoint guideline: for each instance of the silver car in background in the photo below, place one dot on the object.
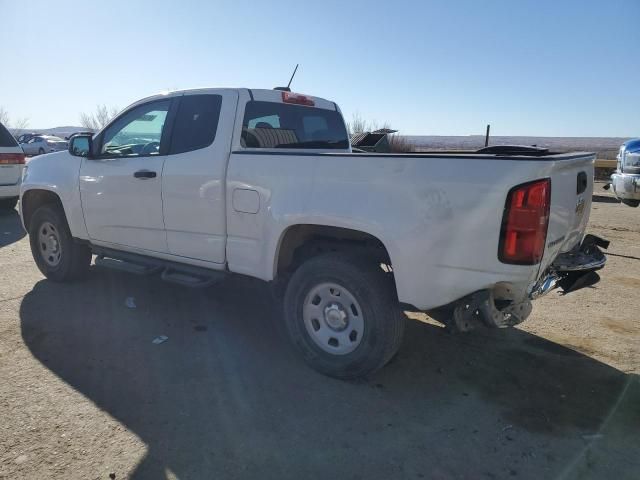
(40, 144)
(626, 180)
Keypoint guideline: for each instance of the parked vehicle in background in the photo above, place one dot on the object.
(194, 185)
(25, 137)
(11, 165)
(40, 144)
(83, 132)
(626, 180)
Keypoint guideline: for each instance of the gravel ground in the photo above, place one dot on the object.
(85, 394)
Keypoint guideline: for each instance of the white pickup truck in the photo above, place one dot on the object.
(193, 185)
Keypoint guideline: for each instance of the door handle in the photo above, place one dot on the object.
(145, 174)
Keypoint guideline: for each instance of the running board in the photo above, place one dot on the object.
(188, 279)
(124, 266)
(186, 275)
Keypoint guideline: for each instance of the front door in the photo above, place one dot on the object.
(121, 184)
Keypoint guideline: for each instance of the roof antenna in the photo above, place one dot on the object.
(287, 89)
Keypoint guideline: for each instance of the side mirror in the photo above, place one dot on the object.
(81, 145)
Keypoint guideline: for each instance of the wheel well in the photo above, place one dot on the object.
(34, 199)
(301, 242)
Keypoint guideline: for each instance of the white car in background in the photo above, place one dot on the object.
(12, 160)
(41, 144)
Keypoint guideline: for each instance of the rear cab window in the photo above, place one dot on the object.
(281, 125)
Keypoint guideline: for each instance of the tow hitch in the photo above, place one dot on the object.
(574, 270)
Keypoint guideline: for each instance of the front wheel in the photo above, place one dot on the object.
(54, 250)
(342, 314)
(41, 151)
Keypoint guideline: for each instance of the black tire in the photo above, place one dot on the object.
(373, 290)
(7, 204)
(41, 151)
(75, 257)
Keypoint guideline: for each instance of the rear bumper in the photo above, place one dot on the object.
(10, 191)
(626, 186)
(573, 270)
(570, 271)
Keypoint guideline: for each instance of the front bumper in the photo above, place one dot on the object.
(570, 271)
(626, 186)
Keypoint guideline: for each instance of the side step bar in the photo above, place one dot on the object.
(186, 275)
(124, 266)
(170, 274)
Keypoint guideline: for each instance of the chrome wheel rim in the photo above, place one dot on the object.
(333, 318)
(49, 244)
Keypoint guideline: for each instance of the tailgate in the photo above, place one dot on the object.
(571, 190)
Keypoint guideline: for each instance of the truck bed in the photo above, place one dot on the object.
(438, 214)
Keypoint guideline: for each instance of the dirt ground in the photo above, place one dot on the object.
(85, 394)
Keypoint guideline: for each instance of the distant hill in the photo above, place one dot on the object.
(605, 147)
(62, 132)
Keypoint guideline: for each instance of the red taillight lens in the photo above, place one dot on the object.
(11, 158)
(296, 98)
(525, 222)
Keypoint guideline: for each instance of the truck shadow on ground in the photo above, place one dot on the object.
(225, 396)
(10, 227)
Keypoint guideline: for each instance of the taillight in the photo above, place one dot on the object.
(296, 98)
(524, 223)
(11, 158)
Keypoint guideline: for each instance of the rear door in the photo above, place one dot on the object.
(121, 184)
(11, 158)
(193, 182)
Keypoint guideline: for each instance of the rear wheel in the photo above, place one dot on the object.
(342, 314)
(54, 250)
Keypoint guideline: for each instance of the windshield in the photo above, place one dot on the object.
(630, 153)
(279, 125)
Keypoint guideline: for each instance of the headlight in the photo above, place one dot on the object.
(24, 173)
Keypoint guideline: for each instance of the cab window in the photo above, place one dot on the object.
(280, 125)
(196, 123)
(136, 133)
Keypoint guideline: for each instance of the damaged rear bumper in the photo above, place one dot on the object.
(570, 271)
(574, 270)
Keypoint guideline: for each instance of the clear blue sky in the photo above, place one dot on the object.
(445, 67)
